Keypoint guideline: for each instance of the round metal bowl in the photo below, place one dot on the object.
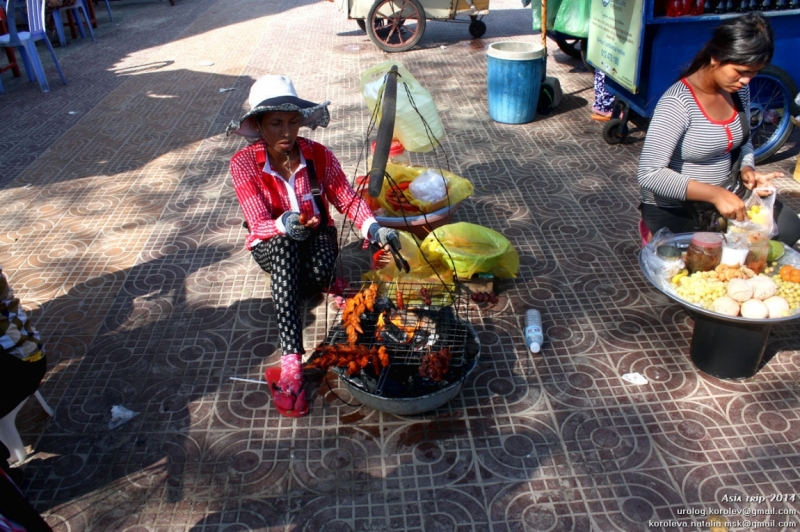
(405, 406)
(683, 239)
(421, 224)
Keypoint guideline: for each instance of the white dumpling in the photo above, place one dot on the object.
(740, 290)
(778, 307)
(725, 305)
(763, 287)
(754, 309)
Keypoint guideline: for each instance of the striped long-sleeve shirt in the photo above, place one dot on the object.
(683, 143)
(264, 196)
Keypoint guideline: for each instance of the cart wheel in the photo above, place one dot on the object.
(571, 46)
(771, 94)
(615, 131)
(477, 28)
(575, 48)
(397, 25)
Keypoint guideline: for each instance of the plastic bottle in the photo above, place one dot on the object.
(533, 330)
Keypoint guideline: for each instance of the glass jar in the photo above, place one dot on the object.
(704, 252)
(759, 249)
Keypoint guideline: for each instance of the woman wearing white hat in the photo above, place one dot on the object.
(285, 185)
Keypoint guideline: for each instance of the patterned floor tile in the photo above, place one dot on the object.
(122, 235)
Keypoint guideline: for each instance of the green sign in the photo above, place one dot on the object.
(615, 35)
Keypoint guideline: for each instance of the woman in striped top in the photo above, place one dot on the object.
(695, 135)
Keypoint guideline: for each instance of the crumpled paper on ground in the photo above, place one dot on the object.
(120, 415)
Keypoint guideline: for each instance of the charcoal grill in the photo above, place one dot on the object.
(425, 318)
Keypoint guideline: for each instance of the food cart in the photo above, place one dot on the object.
(398, 25)
(643, 53)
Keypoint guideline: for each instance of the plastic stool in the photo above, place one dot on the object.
(644, 232)
(8, 429)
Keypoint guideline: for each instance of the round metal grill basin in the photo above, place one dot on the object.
(404, 406)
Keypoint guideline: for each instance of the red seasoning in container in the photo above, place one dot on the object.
(704, 252)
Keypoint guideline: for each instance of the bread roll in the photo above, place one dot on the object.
(740, 290)
(763, 287)
(725, 305)
(778, 307)
(754, 309)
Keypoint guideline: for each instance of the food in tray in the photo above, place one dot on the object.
(354, 358)
(776, 250)
(789, 273)
(758, 215)
(435, 365)
(754, 309)
(725, 305)
(729, 291)
(354, 308)
(777, 306)
(740, 290)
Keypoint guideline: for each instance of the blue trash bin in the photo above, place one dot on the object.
(513, 81)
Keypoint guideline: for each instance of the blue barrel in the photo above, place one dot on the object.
(513, 81)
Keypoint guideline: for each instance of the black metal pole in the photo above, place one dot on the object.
(385, 134)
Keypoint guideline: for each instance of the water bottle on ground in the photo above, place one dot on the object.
(533, 330)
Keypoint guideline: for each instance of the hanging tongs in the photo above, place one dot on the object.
(400, 262)
(381, 155)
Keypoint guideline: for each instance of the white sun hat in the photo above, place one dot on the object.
(276, 93)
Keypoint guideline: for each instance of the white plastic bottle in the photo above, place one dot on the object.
(533, 330)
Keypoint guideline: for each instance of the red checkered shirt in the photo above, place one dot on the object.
(264, 197)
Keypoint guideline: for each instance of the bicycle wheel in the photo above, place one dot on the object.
(771, 94)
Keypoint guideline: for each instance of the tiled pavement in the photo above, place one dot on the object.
(122, 234)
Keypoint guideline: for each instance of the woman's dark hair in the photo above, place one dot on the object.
(746, 40)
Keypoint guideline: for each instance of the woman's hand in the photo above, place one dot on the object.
(382, 235)
(730, 205)
(294, 227)
(754, 179)
(726, 202)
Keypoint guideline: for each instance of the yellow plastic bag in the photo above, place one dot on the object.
(458, 189)
(409, 128)
(469, 249)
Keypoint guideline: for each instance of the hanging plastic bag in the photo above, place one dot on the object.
(396, 199)
(469, 249)
(573, 18)
(409, 128)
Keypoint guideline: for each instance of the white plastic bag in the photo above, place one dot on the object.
(409, 128)
(429, 186)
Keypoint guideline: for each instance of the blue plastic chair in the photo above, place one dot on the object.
(108, 7)
(76, 8)
(25, 41)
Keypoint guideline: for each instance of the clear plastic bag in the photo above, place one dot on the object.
(661, 260)
(429, 186)
(759, 214)
(409, 127)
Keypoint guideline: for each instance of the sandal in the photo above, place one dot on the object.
(600, 118)
(287, 404)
